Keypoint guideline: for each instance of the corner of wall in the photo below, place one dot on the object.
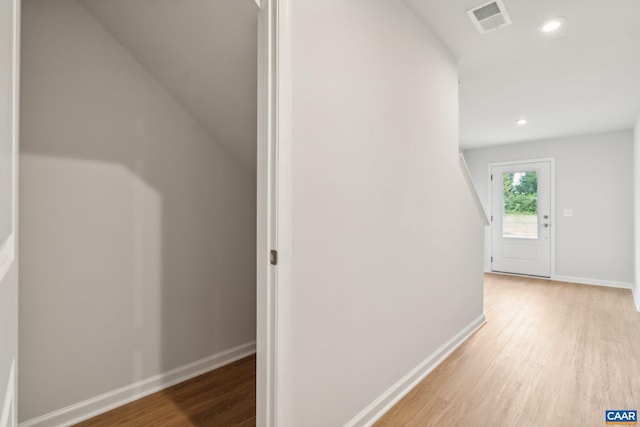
(636, 184)
(118, 150)
(572, 253)
(102, 403)
(404, 385)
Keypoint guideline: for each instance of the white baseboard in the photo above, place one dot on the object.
(8, 416)
(382, 404)
(636, 297)
(105, 402)
(595, 282)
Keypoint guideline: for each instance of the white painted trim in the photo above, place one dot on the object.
(569, 279)
(9, 414)
(105, 402)
(397, 391)
(283, 149)
(526, 276)
(466, 173)
(8, 247)
(15, 133)
(523, 161)
(264, 359)
(593, 282)
(7, 417)
(552, 203)
(7, 255)
(275, 47)
(636, 297)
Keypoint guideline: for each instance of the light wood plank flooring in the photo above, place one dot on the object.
(224, 397)
(552, 354)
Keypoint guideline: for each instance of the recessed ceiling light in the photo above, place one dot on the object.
(552, 25)
(521, 122)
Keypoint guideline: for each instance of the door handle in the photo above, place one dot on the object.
(545, 225)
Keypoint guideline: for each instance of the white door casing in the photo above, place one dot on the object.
(274, 214)
(526, 251)
(9, 84)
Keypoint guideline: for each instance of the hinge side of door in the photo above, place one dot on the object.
(491, 259)
(273, 257)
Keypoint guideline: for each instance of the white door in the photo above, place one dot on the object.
(521, 218)
(9, 12)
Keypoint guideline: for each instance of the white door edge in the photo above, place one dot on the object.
(9, 243)
(273, 400)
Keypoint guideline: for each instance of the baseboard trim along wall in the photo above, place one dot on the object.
(105, 402)
(7, 417)
(382, 404)
(636, 297)
(594, 282)
(571, 279)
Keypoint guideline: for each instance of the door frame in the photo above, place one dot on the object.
(273, 180)
(9, 248)
(274, 201)
(552, 208)
(274, 195)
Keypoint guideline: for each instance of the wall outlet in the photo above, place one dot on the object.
(567, 212)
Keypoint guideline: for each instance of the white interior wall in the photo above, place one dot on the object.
(386, 240)
(203, 52)
(636, 171)
(138, 230)
(593, 177)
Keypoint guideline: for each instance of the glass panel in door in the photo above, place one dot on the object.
(520, 205)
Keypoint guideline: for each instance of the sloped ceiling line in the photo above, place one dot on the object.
(204, 53)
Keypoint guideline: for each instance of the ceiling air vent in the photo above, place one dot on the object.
(489, 16)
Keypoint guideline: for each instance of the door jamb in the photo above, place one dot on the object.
(9, 247)
(552, 205)
(274, 197)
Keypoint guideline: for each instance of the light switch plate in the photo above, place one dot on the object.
(567, 212)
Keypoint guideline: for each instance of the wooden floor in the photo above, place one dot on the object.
(221, 398)
(552, 354)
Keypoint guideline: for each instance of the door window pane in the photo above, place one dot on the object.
(520, 205)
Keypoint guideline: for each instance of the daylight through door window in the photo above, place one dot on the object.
(520, 205)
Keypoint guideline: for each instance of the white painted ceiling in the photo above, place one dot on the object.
(584, 80)
(204, 52)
